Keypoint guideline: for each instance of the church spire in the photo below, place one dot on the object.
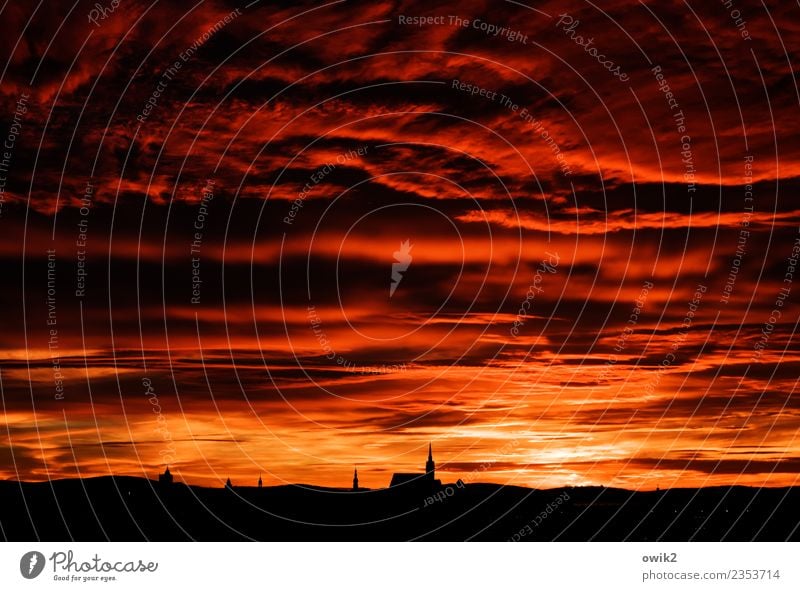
(355, 478)
(165, 478)
(260, 482)
(430, 465)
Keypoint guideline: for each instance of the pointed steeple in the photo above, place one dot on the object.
(430, 466)
(165, 478)
(260, 482)
(355, 478)
(228, 483)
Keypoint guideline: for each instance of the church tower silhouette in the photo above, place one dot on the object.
(424, 482)
(430, 465)
(165, 479)
(355, 478)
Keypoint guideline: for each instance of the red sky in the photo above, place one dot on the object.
(650, 217)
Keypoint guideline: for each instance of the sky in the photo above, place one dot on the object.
(557, 240)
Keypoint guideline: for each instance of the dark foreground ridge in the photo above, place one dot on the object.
(127, 508)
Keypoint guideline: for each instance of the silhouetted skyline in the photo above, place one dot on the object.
(292, 240)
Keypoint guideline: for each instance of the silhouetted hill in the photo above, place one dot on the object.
(127, 508)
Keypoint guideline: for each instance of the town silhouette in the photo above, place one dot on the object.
(415, 506)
